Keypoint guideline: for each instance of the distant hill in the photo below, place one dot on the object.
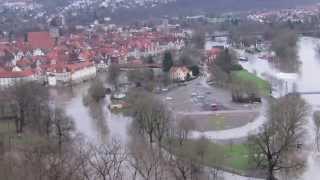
(196, 6)
(129, 10)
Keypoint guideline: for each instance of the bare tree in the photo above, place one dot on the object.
(316, 120)
(108, 161)
(274, 148)
(218, 75)
(113, 75)
(183, 129)
(62, 127)
(143, 78)
(151, 117)
(96, 90)
(185, 163)
(146, 160)
(28, 99)
(201, 148)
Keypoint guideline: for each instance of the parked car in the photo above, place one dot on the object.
(169, 98)
(164, 89)
(243, 58)
(214, 107)
(119, 96)
(115, 106)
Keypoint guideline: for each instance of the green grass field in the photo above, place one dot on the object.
(235, 156)
(7, 127)
(216, 122)
(262, 84)
(226, 156)
(9, 136)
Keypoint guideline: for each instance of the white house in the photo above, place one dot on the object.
(180, 73)
(103, 65)
(52, 81)
(82, 72)
(38, 52)
(71, 73)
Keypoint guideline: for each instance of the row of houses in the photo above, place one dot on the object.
(77, 57)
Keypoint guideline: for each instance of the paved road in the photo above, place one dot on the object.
(182, 104)
(236, 133)
(198, 94)
(216, 112)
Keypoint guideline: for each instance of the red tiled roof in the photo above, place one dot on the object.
(77, 66)
(214, 51)
(24, 62)
(15, 74)
(40, 40)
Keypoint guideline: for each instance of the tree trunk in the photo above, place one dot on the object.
(317, 141)
(16, 121)
(21, 121)
(150, 137)
(270, 174)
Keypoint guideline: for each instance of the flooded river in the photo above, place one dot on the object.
(305, 80)
(99, 125)
(95, 122)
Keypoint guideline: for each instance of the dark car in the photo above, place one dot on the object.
(214, 107)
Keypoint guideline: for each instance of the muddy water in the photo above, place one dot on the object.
(95, 122)
(306, 80)
(104, 125)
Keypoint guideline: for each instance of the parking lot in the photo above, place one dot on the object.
(197, 96)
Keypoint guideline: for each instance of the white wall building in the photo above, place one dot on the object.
(9, 78)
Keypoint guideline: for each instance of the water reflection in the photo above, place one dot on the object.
(98, 119)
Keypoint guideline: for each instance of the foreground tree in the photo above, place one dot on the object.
(107, 161)
(274, 148)
(183, 129)
(62, 127)
(28, 99)
(167, 62)
(151, 117)
(113, 75)
(96, 90)
(146, 160)
(187, 159)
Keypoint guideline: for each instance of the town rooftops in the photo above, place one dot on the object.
(214, 51)
(77, 66)
(41, 40)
